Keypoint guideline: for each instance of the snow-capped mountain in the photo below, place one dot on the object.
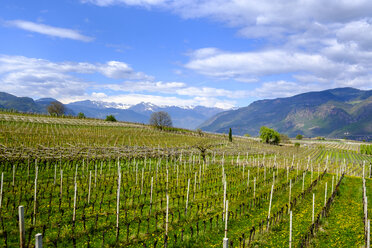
(186, 117)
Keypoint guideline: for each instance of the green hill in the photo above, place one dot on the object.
(341, 112)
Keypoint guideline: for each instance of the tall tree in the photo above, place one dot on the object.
(269, 135)
(56, 108)
(230, 135)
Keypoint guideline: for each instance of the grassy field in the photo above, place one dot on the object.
(124, 173)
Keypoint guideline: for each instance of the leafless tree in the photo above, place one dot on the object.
(160, 119)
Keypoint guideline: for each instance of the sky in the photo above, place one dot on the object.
(220, 53)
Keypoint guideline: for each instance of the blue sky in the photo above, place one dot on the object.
(185, 52)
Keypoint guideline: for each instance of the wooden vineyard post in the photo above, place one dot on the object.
(55, 173)
(36, 174)
(76, 173)
(289, 198)
(167, 181)
(271, 199)
(1, 188)
(39, 240)
(303, 182)
(95, 177)
(21, 216)
(325, 195)
(312, 219)
(152, 181)
(74, 211)
(333, 178)
(225, 239)
(142, 181)
(368, 233)
(290, 229)
(187, 197)
(166, 222)
(13, 176)
(195, 185)
(248, 181)
(90, 185)
(254, 187)
(224, 199)
(61, 185)
(118, 203)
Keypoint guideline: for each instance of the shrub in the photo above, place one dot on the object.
(110, 118)
(81, 115)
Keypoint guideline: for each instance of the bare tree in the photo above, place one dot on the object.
(56, 108)
(160, 119)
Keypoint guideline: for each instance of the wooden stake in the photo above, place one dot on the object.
(224, 199)
(303, 181)
(187, 197)
(312, 219)
(1, 189)
(118, 202)
(290, 192)
(152, 180)
(248, 180)
(166, 216)
(74, 213)
(290, 229)
(90, 185)
(39, 240)
(368, 233)
(271, 198)
(325, 195)
(254, 187)
(36, 175)
(142, 181)
(55, 173)
(22, 235)
(61, 185)
(13, 175)
(227, 216)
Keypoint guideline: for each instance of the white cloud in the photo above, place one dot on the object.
(260, 63)
(65, 81)
(146, 86)
(49, 30)
(270, 90)
(358, 32)
(42, 78)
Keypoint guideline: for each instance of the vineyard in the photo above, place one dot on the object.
(91, 183)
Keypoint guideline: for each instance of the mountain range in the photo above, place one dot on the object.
(338, 113)
(334, 113)
(187, 117)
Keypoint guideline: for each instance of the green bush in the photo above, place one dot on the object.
(269, 136)
(110, 118)
(81, 115)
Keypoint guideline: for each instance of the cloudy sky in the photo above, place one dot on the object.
(223, 53)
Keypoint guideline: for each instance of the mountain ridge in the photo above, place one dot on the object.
(185, 117)
(332, 113)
